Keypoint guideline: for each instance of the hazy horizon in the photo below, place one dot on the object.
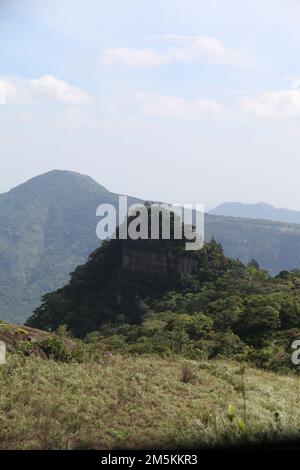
(206, 208)
(176, 100)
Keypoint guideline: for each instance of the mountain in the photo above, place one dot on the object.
(152, 296)
(109, 286)
(48, 227)
(275, 245)
(260, 210)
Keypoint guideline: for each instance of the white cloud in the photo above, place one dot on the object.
(189, 50)
(273, 104)
(45, 88)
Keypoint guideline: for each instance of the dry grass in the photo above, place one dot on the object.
(141, 402)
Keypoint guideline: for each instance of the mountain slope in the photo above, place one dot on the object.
(48, 227)
(260, 210)
(275, 245)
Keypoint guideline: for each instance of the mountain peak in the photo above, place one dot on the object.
(259, 210)
(58, 179)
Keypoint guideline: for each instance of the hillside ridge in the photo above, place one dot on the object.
(48, 228)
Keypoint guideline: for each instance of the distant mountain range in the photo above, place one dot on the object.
(48, 227)
(261, 210)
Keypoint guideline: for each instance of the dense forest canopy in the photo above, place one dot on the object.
(223, 307)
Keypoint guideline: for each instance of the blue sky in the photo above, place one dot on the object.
(177, 100)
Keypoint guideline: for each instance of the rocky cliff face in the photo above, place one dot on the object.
(162, 262)
(165, 257)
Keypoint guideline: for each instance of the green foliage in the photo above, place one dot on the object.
(25, 347)
(231, 412)
(260, 316)
(5, 327)
(220, 308)
(63, 332)
(55, 348)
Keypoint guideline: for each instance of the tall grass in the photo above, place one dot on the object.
(141, 402)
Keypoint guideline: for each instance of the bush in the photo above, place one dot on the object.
(187, 374)
(25, 347)
(55, 348)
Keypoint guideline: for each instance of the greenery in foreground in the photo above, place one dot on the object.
(142, 402)
(225, 308)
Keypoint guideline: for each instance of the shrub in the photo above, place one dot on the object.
(55, 348)
(5, 327)
(25, 347)
(63, 332)
(187, 374)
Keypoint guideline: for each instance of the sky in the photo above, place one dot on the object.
(185, 101)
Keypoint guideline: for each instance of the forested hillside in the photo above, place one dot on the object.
(216, 306)
(48, 227)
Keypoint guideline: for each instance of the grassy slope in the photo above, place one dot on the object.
(139, 402)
